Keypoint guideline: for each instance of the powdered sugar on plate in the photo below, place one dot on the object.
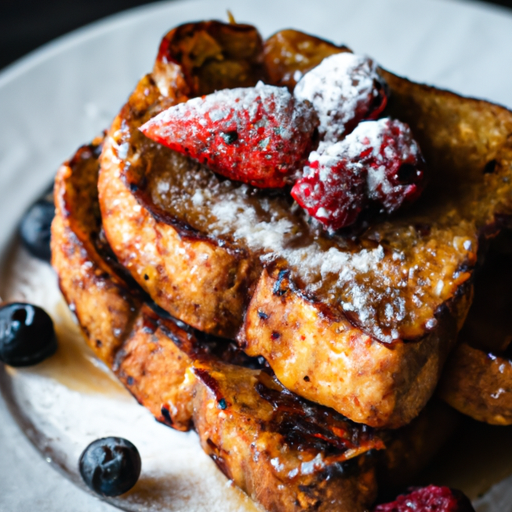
(71, 399)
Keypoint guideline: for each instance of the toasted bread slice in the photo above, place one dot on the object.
(286, 453)
(479, 384)
(189, 277)
(112, 318)
(477, 380)
(241, 428)
(366, 322)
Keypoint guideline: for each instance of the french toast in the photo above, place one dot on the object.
(286, 453)
(477, 379)
(361, 321)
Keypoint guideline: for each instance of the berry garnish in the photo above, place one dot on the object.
(429, 499)
(378, 161)
(333, 190)
(27, 336)
(344, 89)
(396, 169)
(258, 135)
(110, 466)
(35, 228)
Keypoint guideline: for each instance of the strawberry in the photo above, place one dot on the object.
(258, 135)
(344, 89)
(379, 161)
(429, 499)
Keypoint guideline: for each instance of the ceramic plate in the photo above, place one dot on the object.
(62, 96)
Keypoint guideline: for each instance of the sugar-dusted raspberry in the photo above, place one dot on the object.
(378, 161)
(394, 163)
(344, 89)
(429, 499)
(259, 135)
(333, 189)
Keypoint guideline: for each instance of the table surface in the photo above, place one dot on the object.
(27, 24)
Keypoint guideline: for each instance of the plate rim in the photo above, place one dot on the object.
(80, 36)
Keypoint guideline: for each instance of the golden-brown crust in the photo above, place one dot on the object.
(469, 143)
(157, 361)
(477, 379)
(390, 383)
(206, 56)
(427, 262)
(286, 453)
(101, 305)
(196, 280)
(241, 439)
(155, 371)
(280, 55)
(479, 385)
(113, 320)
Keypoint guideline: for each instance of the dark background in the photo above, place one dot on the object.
(27, 24)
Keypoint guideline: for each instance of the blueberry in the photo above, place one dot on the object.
(26, 334)
(35, 227)
(110, 466)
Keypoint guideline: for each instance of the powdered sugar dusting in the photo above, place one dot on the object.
(272, 238)
(341, 89)
(367, 135)
(267, 236)
(375, 150)
(336, 184)
(258, 135)
(366, 138)
(233, 103)
(387, 285)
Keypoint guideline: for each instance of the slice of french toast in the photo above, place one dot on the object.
(477, 379)
(286, 453)
(361, 321)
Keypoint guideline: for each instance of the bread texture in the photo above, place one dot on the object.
(362, 321)
(156, 360)
(288, 454)
(477, 380)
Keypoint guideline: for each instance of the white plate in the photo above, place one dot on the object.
(64, 94)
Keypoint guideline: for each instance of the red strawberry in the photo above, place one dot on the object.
(379, 161)
(259, 135)
(344, 89)
(429, 499)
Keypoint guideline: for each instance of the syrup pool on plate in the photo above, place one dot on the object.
(71, 399)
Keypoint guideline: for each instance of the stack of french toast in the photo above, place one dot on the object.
(305, 358)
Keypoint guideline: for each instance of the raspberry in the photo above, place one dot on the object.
(259, 135)
(344, 89)
(429, 499)
(378, 161)
(395, 165)
(333, 189)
